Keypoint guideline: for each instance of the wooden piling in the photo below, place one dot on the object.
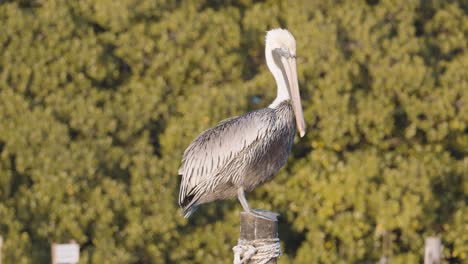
(253, 227)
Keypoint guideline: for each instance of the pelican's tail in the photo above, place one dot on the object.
(189, 210)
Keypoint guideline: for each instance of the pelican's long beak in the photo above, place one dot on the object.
(291, 72)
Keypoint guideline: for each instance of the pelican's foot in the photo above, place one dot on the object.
(272, 216)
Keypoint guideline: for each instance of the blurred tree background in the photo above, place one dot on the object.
(100, 98)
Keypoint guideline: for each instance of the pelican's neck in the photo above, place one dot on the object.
(282, 89)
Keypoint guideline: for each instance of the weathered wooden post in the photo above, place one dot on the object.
(433, 251)
(258, 242)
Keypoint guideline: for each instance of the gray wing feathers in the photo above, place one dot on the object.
(215, 148)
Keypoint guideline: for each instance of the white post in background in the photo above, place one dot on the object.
(65, 253)
(433, 251)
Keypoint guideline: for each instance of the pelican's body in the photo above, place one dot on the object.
(243, 152)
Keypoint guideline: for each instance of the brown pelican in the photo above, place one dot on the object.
(243, 152)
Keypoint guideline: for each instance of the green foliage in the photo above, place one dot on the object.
(100, 98)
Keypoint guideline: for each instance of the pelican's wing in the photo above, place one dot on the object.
(216, 147)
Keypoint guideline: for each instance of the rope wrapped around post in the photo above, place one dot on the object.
(260, 250)
(258, 242)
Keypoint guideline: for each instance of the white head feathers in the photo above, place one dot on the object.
(280, 38)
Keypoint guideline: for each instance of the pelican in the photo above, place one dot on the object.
(243, 152)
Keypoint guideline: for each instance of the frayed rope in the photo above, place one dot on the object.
(261, 249)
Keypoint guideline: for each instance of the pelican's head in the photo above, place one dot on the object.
(280, 53)
(282, 40)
